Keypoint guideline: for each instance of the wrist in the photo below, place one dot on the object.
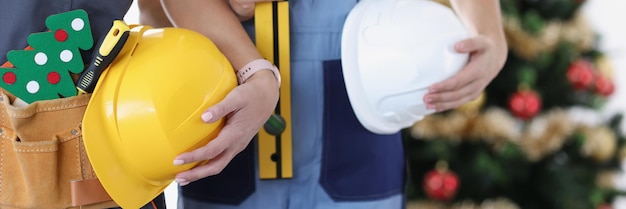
(255, 66)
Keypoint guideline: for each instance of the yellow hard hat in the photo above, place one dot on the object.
(146, 109)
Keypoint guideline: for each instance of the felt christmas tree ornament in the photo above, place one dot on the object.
(42, 71)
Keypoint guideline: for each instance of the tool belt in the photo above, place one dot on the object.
(43, 163)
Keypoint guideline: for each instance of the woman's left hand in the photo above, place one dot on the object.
(245, 109)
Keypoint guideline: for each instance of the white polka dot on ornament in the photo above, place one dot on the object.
(78, 24)
(41, 58)
(32, 87)
(66, 55)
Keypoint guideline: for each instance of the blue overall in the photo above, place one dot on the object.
(337, 163)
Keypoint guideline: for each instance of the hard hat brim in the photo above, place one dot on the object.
(114, 176)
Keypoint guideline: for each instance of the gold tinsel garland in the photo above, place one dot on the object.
(528, 46)
(538, 137)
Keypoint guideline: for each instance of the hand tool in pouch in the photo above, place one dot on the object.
(109, 47)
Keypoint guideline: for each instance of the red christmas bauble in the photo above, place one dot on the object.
(580, 74)
(525, 104)
(441, 184)
(604, 86)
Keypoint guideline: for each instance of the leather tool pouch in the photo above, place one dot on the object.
(43, 163)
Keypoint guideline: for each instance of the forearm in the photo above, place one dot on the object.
(216, 20)
(482, 17)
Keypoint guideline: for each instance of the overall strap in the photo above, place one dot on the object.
(271, 20)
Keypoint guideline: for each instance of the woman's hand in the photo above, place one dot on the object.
(245, 109)
(486, 58)
(488, 51)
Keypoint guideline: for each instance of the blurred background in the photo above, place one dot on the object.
(547, 133)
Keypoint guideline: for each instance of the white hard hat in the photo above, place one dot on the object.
(392, 51)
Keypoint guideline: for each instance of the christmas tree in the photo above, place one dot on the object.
(42, 71)
(535, 138)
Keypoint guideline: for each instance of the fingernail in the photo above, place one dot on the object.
(179, 162)
(182, 182)
(460, 46)
(207, 116)
(430, 106)
(432, 90)
(429, 99)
